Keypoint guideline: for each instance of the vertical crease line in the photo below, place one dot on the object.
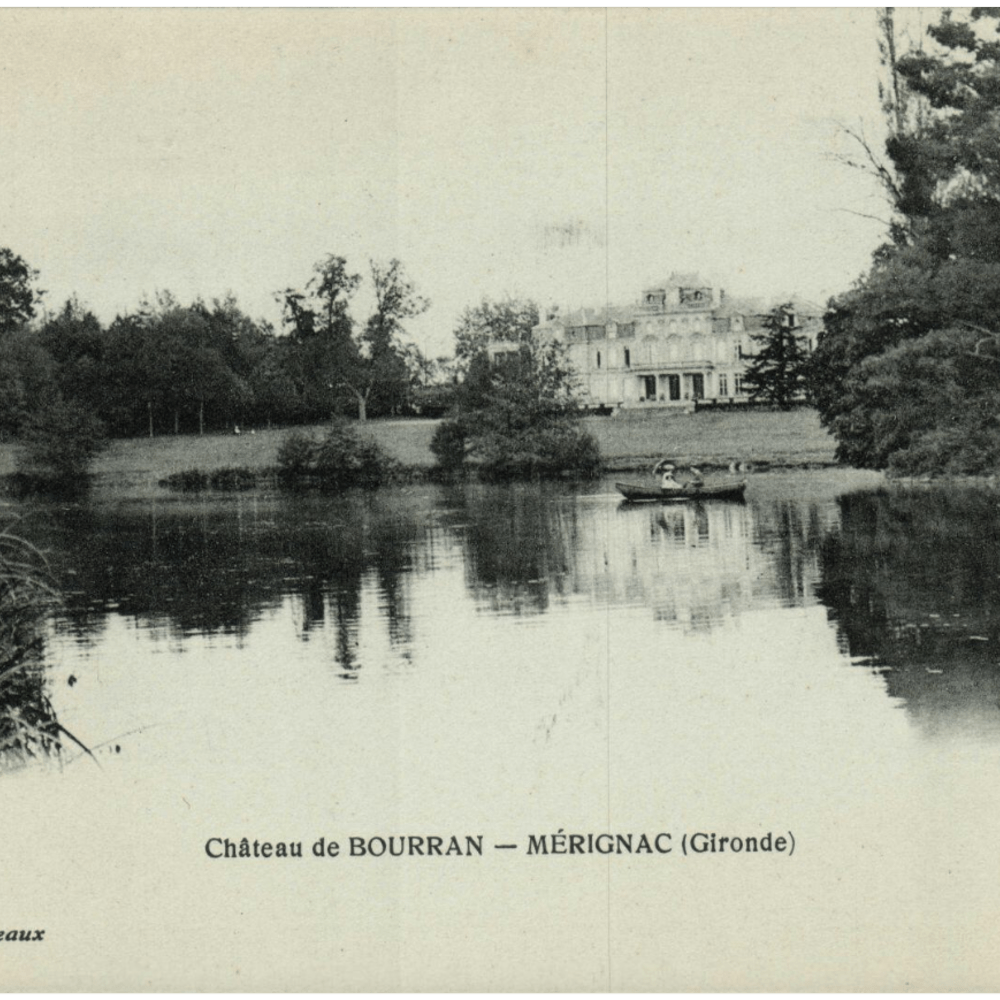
(607, 533)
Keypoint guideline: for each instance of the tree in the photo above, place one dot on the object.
(925, 320)
(508, 321)
(17, 297)
(177, 366)
(384, 380)
(329, 363)
(516, 418)
(76, 342)
(325, 358)
(61, 442)
(28, 381)
(777, 373)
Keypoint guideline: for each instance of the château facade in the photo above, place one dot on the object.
(683, 342)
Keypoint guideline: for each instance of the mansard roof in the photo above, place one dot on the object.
(801, 306)
(596, 317)
(682, 279)
(731, 305)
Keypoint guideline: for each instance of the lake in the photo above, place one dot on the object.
(819, 662)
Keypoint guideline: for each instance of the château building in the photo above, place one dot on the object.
(683, 342)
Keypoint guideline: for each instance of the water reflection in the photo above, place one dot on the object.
(910, 580)
(518, 543)
(217, 565)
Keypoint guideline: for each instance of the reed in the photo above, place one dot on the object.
(28, 724)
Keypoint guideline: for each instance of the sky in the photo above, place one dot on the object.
(569, 156)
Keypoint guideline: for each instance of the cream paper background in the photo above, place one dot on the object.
(891, 887)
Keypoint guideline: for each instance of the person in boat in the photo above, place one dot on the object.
(696, 480)
(667, 481)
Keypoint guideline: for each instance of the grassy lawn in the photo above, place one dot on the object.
(625, 441)
(713, 438)
(154, 458)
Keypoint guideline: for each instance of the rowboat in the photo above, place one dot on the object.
(639, 494)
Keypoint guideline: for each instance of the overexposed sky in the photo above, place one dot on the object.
(565, 155)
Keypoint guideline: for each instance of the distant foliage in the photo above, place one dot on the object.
(336, 369)
(227, 478)
(28, 381)
(172, 368)
(516, 419)
(340, 460)
(17, 296)
(61, 442)
(507, 321)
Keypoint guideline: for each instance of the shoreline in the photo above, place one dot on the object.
(753, 442)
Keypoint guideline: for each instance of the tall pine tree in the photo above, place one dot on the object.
(777, 373)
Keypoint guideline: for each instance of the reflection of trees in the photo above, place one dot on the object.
(790, 532)
(518, 541)
(215, 565)
(912, 579)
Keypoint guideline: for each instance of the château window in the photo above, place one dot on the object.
(628, 358)
(738, 385)
(598, 359)
(723, 385)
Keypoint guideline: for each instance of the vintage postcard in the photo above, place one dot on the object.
(476, 514)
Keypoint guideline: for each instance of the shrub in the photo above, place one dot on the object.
(228, 478)
(339, 460)
(557, 449)
(61, 442)
(295, 455)
(449, 445)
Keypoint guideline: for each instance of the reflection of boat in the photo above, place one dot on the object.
(637, 494)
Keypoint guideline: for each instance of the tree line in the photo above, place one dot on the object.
(172, 368)
(907, 372)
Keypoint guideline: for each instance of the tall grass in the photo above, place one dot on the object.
(28, 725)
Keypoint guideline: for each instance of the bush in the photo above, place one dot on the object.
(61, 442)
(228, 478)
(558, 449)
(449, 445)
(295, 455)
(338, 461)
